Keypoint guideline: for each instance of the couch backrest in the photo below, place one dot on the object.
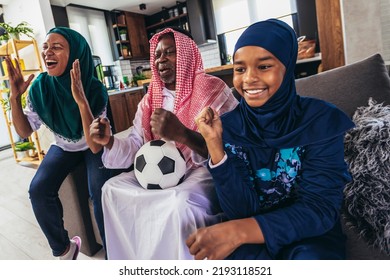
(350, 86)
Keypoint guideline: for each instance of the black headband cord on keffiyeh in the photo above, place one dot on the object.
(51, 97)
(286, 119)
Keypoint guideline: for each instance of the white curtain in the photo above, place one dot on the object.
(232, 15)
(92, 25)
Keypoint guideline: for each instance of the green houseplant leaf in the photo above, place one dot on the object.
(4, 101)
(24, 146)
(138, 77)
(14, 31)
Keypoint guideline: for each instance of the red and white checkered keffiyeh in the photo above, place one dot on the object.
(194, 88)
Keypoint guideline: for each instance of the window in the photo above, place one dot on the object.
(232, 17)
(92, 25)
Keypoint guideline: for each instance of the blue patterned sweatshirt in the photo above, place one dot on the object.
(293, 193)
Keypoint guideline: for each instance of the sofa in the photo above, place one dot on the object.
(348, 87)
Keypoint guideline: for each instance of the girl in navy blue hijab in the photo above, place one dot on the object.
(277, 160)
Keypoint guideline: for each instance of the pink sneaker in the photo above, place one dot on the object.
(77, 241)
(74, 249)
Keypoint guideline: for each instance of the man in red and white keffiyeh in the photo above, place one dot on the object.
(149, 224)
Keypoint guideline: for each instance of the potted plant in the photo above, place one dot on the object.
(25, 149)
(123, 34)
(15, 31)
(4, 98)
(138, 77)
(125, 50)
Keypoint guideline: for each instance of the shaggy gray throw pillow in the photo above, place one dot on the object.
(367, 196)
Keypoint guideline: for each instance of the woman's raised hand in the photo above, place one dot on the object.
(77, 85)
(17, 83)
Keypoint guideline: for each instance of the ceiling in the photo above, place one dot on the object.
(152, 6)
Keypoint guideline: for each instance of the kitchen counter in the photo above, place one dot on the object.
(130, 89)
(220, 70)
(224, 72)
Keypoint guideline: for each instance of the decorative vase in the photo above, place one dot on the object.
(31, 153)
(123, 37)
(125, 52)
(121, 19)
(15, 36)
(22, 154)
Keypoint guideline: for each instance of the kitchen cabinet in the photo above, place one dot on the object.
(121, 40)
(139, 43)
(14, 48)
(119, 112)
(195, 16)
(308, 66)
(130, 35)
(201, 19)
(330, 31)
(169, 16)
(123, 107)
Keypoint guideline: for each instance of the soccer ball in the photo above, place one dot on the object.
(159, 165)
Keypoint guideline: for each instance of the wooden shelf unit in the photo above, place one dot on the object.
(170, 16)
(136, 42)
(12, 48)
(165, 22)
(120, 44)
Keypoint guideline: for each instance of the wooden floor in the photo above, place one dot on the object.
(20, 236)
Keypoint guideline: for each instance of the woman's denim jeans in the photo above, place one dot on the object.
(47, 207)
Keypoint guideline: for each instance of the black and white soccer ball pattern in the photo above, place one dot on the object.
(159, 165)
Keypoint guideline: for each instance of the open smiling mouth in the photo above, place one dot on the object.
(51, 63)
(254, 91)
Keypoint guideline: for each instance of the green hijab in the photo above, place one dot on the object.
(51, 97)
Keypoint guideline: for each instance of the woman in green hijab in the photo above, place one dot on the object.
(66, 100)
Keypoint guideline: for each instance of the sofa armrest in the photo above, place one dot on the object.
(77, 217)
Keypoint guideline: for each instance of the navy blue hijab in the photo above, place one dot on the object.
(286, 120)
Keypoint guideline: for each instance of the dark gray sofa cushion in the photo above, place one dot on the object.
(350, 86)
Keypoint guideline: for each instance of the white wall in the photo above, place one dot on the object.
(36, 12)
(366, 28)
(210, 55)
(4, 138)
(385, 23)
(40, 17)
